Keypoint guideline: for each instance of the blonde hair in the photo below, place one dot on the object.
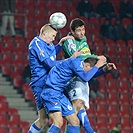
(47, 27)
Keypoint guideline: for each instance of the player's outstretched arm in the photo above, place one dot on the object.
(65, 38)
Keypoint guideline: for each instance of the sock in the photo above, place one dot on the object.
(73, 129)
(85, 121)
(34, 129)
(54, 129)
(66, 128)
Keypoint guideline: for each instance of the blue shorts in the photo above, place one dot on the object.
(37, 94)
(54, 100)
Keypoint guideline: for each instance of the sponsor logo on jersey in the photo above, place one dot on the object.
(85, 51)
(55, 103)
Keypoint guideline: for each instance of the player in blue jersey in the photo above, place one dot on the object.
(42, 57)
(55, 102)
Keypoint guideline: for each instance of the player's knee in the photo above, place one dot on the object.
(59, 122)
(78, 104)
(75, 122)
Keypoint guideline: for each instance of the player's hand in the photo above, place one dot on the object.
(77, 53)
(102, 57)
(101, 61)
(109, 66)
(65, 38)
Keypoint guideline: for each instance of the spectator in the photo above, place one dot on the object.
(116, 30)
(106, 9)
(104, 29)
(129, 32)
(85, 8)
(8, 10)
(125, 9)
(94, 93)
(26, 74)
(117, 128)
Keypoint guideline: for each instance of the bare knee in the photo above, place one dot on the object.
(77, 104)
(57, 119)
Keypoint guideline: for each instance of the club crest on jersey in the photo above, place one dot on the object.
(72, 46)
(41, 52)
(82, 64)
(69, 107)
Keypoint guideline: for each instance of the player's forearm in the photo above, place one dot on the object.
(86, 76)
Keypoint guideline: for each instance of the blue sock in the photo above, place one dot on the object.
(54, 129)
(85, 121)
(34, 129)
(73, 129)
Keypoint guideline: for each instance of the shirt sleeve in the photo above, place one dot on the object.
(58, 48)
(50, 63)
(69, 47)
(77, 66)
(99, 73)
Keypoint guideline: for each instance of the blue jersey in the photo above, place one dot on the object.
(61, 74)
(42, 57)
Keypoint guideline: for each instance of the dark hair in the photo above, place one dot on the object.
(75, 23)
(91, 60)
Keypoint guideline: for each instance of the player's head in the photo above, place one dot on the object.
(77, 27)
(48, 33)
(89, 63)
(118, 125)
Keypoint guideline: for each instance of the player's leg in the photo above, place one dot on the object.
(82, 115)
(57, 119)
(41, 122)
(4, 23)
(38, 125)
(73, 126)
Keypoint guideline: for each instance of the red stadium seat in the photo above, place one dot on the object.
(112, 121)
(101, 110)
(3, 120)
(17, 81)
(112, 110)
(127, 130)
(2, 98)
(14, 130)
(3, 130)
(15, 118)
(123, 86)
(112, 98)
(6, 69)
(24, 126)
(29, 95)
(111, 85)
(124, 98)
(101, 122)
(26, 87)
(3, 107)
(12, 111)
(6, 58)
(124, 110)
(126, 21)
(126, 122)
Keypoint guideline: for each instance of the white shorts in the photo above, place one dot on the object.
(79, 89)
